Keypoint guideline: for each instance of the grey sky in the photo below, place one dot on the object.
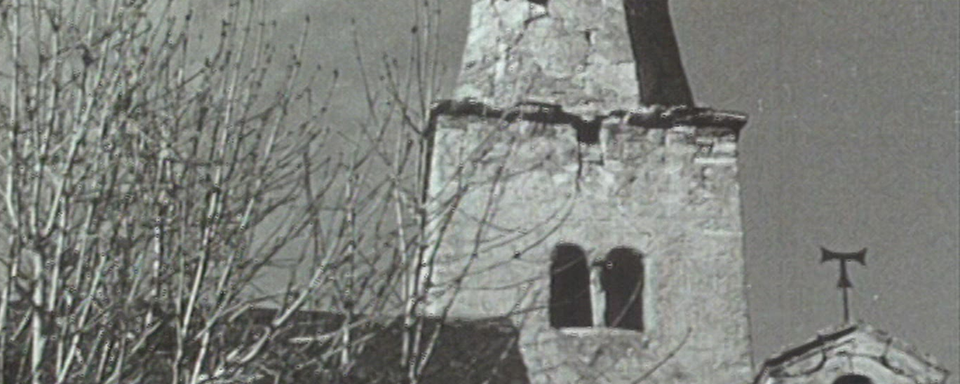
(852, 143)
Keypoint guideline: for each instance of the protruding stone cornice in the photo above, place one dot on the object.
(652, 117)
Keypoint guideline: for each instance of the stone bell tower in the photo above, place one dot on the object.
(577, 190)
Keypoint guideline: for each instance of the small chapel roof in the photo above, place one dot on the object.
(822, 357)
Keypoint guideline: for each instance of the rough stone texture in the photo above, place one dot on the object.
(671, 193)
(851, 350)
(575, 53)
(507, 190)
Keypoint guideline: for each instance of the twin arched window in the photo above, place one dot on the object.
(620, 277)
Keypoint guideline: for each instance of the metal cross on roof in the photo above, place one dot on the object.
(844, 283)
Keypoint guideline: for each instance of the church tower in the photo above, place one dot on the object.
(577, 190)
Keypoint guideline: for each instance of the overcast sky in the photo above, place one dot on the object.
(852, 142)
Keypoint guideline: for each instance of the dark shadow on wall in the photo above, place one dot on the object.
(467, 351)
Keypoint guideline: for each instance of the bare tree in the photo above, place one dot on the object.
(156, 171)
(146, 184)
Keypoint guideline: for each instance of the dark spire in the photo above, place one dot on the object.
(659, 68)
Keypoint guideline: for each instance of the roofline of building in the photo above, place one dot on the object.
(832, 334)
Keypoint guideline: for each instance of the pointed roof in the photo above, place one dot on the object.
(851, 350)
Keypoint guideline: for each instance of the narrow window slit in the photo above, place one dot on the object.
(622, 281)
(570, 304)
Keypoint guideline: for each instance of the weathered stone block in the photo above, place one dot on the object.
(525, 189)
(575, 53)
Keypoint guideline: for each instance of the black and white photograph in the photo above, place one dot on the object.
(480, 191)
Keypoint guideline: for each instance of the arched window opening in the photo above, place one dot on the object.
(570, 304)
(853, 379)
(622, 281)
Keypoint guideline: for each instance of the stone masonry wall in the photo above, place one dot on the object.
(857, 350)
(505, 191)
(575, 53)
(670, 193)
